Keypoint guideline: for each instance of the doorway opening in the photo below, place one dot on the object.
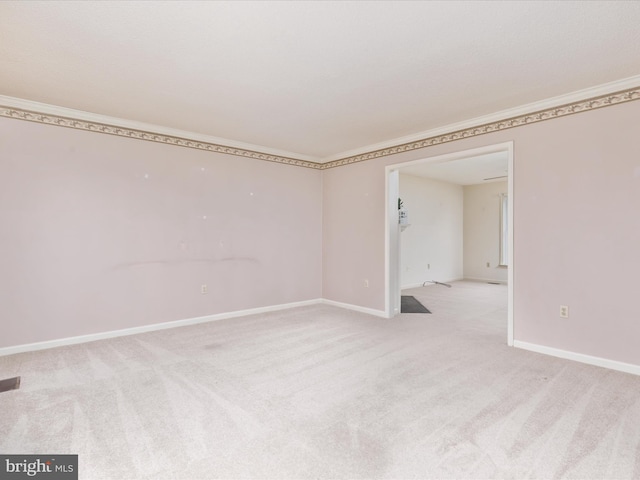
(466, 161)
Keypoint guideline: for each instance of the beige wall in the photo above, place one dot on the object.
(576, 230)
(482, 232)
(101, 233)
(431, 248)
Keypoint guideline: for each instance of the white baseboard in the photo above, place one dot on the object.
(579, 357)
(428, 283)
(555, 352)
(149, 328)
(492, 280)
(357, 308)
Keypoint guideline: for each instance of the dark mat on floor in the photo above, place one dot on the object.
(409, 304)
(9, 384)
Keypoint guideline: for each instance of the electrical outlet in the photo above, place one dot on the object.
(203, 289)
(564, 311)
(366, 283)
(428, 266)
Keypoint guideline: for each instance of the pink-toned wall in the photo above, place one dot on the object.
(576, 230)
(100, 233)
(353, 234)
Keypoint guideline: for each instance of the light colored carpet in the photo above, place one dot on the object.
(320, 392)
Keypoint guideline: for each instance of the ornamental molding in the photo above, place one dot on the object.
(589, 104)
(517, 121)
(50, 119)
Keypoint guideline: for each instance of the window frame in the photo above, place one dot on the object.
(504, 231)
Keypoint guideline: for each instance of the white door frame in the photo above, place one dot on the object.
(392, 230)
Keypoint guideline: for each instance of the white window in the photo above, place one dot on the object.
(504, 230)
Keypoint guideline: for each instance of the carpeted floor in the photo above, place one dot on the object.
(319, 392)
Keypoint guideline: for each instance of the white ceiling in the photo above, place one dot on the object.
(490, 167)
(313, 80)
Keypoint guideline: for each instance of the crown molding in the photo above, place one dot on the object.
(21, 109)
(605, 95)
(548, 103)
(476, 128)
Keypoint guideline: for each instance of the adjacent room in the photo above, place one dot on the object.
(454, 225)
(210, 210)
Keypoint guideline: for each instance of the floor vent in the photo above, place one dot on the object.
(9, 384)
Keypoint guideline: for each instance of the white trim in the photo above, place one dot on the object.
(512, 265)
(579, 357)
(502, 261)
(429, 283)
(522, 115)
(357, 308)
(391, 193)
(554, 352)
(30, 347)
(485, 280)
(577, 96)
(457, 155)
(47, 109)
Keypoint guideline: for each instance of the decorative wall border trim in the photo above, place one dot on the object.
(572, 108)
(518, 121)
(62, 121)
